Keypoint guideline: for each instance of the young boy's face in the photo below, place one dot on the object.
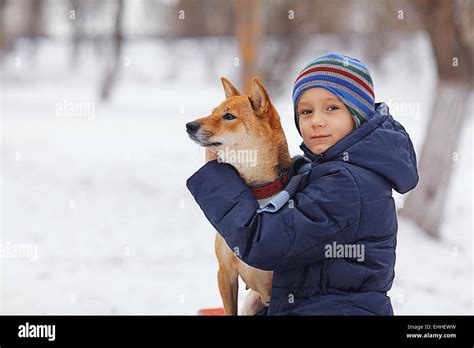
(323, 119)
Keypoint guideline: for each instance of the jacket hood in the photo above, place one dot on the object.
(380, 145)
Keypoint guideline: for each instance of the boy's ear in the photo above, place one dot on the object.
(259, 97)
(229, 89)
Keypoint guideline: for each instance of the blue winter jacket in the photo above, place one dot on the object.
(347, 201)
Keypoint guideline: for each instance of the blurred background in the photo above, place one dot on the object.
(95, 215)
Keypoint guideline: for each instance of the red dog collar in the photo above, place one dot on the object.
(268, 190)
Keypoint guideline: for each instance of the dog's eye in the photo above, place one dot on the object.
(229, 117)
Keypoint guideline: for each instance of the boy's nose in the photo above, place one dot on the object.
(192, 127)
(319, 121)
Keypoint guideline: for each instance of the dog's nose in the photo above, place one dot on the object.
(192, 127)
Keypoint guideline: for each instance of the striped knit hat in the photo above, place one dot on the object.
(346, 77)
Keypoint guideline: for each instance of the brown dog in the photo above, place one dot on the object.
(245, 131)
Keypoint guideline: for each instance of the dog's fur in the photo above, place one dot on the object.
(256, 127)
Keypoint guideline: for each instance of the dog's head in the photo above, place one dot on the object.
(241, 121)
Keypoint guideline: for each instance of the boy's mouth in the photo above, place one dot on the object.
(319, 136)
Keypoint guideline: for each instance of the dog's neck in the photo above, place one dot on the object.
(259, 165)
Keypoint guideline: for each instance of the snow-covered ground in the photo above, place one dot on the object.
(98, 189)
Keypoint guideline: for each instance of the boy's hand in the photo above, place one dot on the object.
(210, 155)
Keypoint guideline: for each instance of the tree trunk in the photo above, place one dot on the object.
(35, 19)
(112, 71)
(249, 23)
(425, 205)
(5, 40)
(77, 32)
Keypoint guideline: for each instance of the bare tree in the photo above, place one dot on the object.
(271, 34)
(249, 34)
(5, 39)
(425, 205)
(34, 22)
(113, 69)
(77, 31)
(286, 36)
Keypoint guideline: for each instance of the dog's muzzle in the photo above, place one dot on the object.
(192, 127)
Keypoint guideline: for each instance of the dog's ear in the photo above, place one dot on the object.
(259, 97)
(229, 89)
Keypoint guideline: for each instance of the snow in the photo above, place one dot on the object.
(102, 195)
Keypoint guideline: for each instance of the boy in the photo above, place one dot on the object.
(332, 251)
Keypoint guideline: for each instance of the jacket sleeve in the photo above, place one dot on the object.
(326, 211)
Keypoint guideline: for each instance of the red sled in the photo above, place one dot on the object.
(211, 311)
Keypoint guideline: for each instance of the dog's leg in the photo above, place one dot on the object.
(227, 276)
(228, 286)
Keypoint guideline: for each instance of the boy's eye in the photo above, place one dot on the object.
(333, 107)
(229, 117)
(305, 112)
